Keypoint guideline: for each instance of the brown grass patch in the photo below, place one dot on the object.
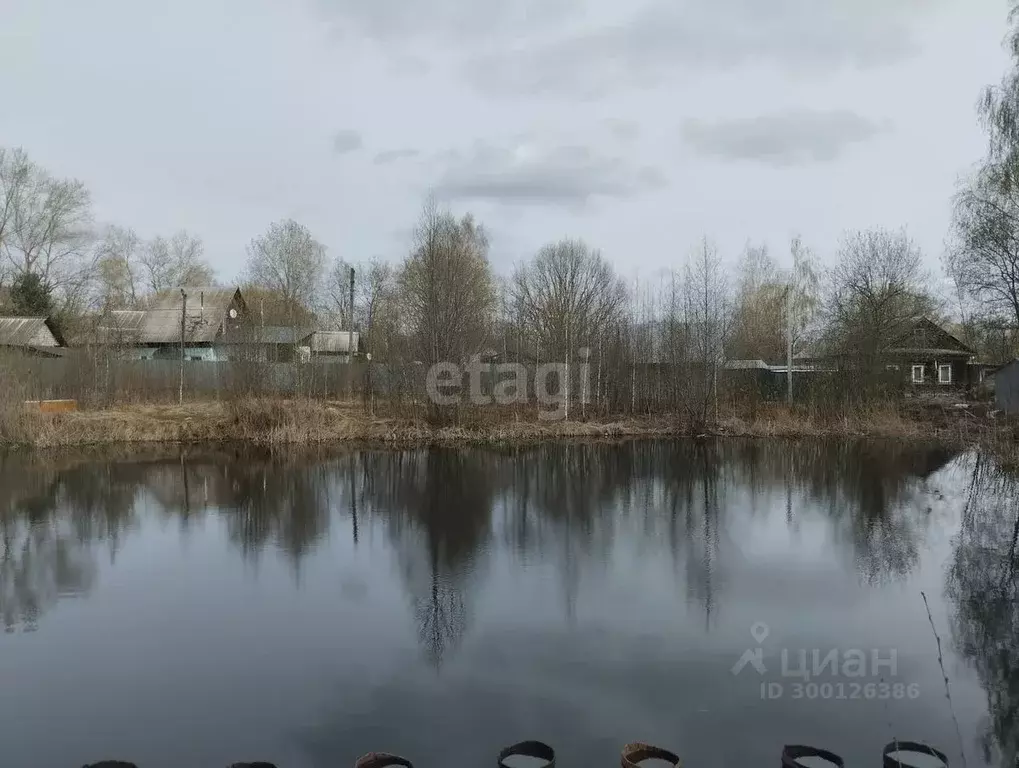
(273, 422)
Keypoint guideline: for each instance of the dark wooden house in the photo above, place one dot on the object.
(930, 357)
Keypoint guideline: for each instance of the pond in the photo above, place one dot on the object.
(721, 599)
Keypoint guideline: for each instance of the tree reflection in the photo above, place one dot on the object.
(436, 505)
(52, 513)
(982, 584)
(442, 509)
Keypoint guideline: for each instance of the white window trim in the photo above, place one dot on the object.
(923, 373)
(941, 368)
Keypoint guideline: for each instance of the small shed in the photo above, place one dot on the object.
(30, 335)
(1006, 387)
(332, 344)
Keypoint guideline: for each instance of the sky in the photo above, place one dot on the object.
(641, 127)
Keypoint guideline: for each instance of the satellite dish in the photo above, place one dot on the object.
(233, 314)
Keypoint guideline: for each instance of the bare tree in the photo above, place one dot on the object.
(999, 110)
(336, 296)
(117, 271)
(984, 260)
(288, 261)
(15, 174)
(176, 261)
(446, 287)
(769, 299)
(709, 316)
(375, 300)
(45, 225)
(758, 323)
(877, 290)
(568, 293)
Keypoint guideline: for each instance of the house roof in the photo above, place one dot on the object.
(936, 340)
(29, 332)
(207, 309)
(120, 325)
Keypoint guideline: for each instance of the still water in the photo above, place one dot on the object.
(203, 607)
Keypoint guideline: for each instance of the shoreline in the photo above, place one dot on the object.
(278, 424)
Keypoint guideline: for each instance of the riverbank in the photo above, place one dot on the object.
(283, 423)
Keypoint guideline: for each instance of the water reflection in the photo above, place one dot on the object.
(983, 587)
(442, 509)
(453, 523)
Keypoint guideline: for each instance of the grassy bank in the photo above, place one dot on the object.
(273, 422)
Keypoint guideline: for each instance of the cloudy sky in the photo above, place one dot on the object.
(638, 126)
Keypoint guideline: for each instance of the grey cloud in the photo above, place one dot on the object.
(394, 155)
(791, 138)
(570, 176)
(346, 141)
(664, 35)
(624, 130)
(459, 21)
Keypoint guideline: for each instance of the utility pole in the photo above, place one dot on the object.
(350, 341)
(789, 343)
(183, 326)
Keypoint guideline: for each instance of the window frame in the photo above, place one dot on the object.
(941, 369)
(923, 373)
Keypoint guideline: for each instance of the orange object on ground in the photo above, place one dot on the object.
(53, 406)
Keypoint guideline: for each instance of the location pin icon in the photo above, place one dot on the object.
(759, 631)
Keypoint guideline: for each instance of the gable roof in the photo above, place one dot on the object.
(928, 336)
(207, 309)
(29, 332)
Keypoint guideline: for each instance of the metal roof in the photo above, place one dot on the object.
(120, 326)
(206, 313)
(31, 332)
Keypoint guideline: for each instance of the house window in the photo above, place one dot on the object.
(944, 374)
(918, 374)
(891, 367)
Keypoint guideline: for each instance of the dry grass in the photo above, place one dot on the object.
(275, 422)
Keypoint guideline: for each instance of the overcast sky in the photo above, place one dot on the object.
(638, 126)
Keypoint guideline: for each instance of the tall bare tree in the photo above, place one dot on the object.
(877, 289)
(709, 313)
(175, 261)
(45, 225)
(376, 302)
(446, 287)
(117, 276)
(288, 261)
(999, 110)
(336, 296)
(568, 294)
(985, 257)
